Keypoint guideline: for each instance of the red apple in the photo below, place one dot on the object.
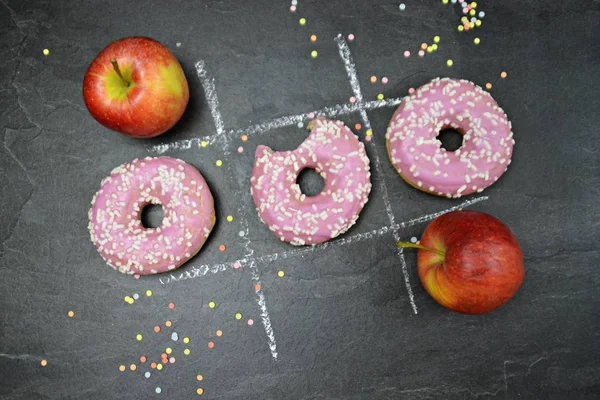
(469, 262)
(137, 87)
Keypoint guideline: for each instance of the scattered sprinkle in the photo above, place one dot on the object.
(172, 360)
(413, 239)
(351, 37)
(280, 274)
(222, 247)
(200, 391)
(171, 305)
(313, 38)
(358, 127)
(147, 374)
(402, 7)
(250, 322)
(136, 296)
(352, 99)
(449, 63)
(476, 41)
(149, 293)
(153, 365)
(219, 332)
(421, 53)
(71, 314)
(406, 53)
(139, 337)
(302, 21)
(436, 39)
(384, 80)
(424, 46)
(158, 390)
(488, 86)
(293, 8)
(157, 329)
(133, 367)
(199, 377)
(230, 218)
(212, 304)
(174, 336)
(143, 359)
(314, 54)
(240, 149)
(168, 324)
(380, 96)
(159, 366)
(219, 163)
(211, 344)
(203, 143)
(369, 132)
(503, 75)
(373, 79)
(236, 265)
(241, 233)
(434, 47)
(244, 138)
(46, 52)
(300, 125)
(238, 316)
(168, 350)
(122, 368)
(257, 287)
(186, 340)
(368, 138)
(186, 352)
(411, 90)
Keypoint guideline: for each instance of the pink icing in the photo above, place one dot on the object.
(117, 231)
(334, 152)
(449, 103)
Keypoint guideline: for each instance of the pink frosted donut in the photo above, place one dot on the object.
(116, 228)
(335, 153)
(417, 155)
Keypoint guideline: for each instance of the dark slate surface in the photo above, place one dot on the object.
(342, 319)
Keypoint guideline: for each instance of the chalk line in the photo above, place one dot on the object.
(350, 66)
(264, 313)
(430, 217)
(208, 84)
(337, 110)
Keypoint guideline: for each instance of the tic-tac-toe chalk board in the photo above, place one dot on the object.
(251, 317)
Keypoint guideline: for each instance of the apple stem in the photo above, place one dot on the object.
(118, 71)
(418, 246)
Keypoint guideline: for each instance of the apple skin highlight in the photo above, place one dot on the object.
(483, 263)
(148, 99)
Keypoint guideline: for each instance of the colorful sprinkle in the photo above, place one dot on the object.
(380, 96)
(257, 287)
(351, 37)
(168, 350)
(402, 7)
(238, 316)
(157, 329)
(280, 274)
(186, 352)
(406, 53)
(313, 38)
(219, 332)
(222, 247)
(384, 80)
(143, 359)
(172, 360)
(147, 374)
(139, 337)
(153, 365)
(352, 99)
(133, 367)
(71, 314)
(219, 163)
(244, 138)
(240, 149)
(159, 366)
(302, 21)
(211, 345)
(423, 46)
(314, 54)
(436, 39)
(46, 52)
(411, 90)
(212, 304)
(158, 390)
(250, 322)
(236, 265)
(136, 296)
(293, 8)
(199, 377)
(421, 53)
(503, 75)
(488, 86)
(149, 293)
(174, 336)
(373, 79)
(369, 132)
(476, 41)
(230, 218)
(171, 305)
(122, 368)
(449, 63)
(168, 324)
(358, 127)
(200, 391)
(186, 340)
(204, 143)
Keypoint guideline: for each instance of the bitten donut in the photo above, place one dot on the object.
(335, 153)
(116, 228)
(417, 155)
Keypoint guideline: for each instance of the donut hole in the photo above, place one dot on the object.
(152, 216)
(310, 181)
(452, 139)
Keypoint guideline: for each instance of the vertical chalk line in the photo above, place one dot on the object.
(208, 84)
(350, 66)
